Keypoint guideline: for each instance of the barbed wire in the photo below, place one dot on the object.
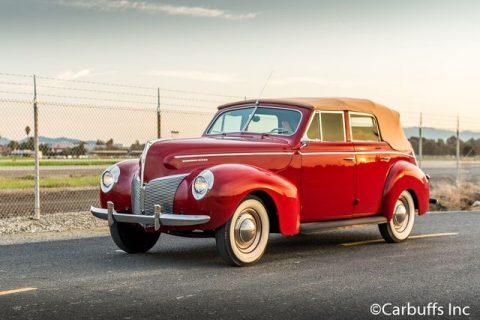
(97, 91)
(170, 100)
(110, 84)
(7, 74)
(17, 92)
(47, 103)
(12, 83)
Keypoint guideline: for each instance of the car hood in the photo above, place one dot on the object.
(168, 157)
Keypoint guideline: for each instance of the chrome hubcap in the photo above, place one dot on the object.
(401, 215)
(247, 230)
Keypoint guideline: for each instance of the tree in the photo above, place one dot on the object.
(137, 146)
(27, 145)
(27, 130)
(45, 149)
(109, 143)
(13, 145)
(79, 150)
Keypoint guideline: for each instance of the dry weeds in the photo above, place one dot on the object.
(453, 197)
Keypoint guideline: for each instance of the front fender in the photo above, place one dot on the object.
(120, 194)
(232, 183)
(403, 176)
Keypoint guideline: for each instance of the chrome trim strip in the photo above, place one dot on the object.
(281, 153)
(196, 160)
(312, 227)
(355, 152)
(231, 154)
(143, 158)
(166, 219)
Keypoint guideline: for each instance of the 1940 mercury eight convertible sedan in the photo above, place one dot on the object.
(288, 166)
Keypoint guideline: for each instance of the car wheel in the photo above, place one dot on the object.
(132, 238)
(243, 239)
(398, 229)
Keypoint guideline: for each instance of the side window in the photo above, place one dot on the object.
(313, 132)
(364, 128)
(332, 126)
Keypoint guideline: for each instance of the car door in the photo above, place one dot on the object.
(373, 162)
(328, 169)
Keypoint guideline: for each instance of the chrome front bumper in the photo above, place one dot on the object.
(157, 220)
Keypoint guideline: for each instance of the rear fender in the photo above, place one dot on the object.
(232, 183)
(403, 176)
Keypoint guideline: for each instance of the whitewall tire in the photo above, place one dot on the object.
(243, 239)
(400, 227)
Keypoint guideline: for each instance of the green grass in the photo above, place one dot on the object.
(16, 162)
(27, 182)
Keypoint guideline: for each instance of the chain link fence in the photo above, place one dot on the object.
(84, 126)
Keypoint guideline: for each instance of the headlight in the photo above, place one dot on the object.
(109, 178)
(202, 184)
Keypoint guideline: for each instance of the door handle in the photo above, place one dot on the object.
(386, 159)
(349, 159)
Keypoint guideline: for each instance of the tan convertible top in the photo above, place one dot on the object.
(388, 119)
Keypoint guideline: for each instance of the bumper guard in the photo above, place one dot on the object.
(158, 219)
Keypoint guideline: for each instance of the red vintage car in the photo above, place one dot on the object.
(266, 166)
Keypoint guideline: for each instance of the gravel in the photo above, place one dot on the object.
(51, 223)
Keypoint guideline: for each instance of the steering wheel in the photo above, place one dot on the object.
(280, 130)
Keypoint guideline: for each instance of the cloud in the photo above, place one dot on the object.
(196, 75)
(72, 75)
(311, 80)
(156, 8)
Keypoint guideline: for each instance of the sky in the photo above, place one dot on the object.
(410, 55)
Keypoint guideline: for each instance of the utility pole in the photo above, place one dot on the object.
(36, 212)
(420, 141)
(159, 116)
(458, 150)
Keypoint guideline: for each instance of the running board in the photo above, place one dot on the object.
(313, 227)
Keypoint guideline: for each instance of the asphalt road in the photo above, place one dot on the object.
(311, 276)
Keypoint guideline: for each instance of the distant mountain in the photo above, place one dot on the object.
(433, 133)
(4, 141)
(51, 141)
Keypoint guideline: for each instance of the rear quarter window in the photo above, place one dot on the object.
(364, 128)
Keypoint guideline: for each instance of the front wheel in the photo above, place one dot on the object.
(243, 239)
(132, 238)
(398, 229)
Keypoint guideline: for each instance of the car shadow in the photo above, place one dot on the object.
(188, 253)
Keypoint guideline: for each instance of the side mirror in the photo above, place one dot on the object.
(304, 142)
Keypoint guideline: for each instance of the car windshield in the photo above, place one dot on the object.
(263, 120)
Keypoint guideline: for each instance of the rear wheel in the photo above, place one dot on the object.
(398, 229)
(243, 239)
(132, 238)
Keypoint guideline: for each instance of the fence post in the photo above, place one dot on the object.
(420, 141)
(36, 213)
(159, 116)
(458, 150)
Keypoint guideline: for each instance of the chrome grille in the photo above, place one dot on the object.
(158, 191)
